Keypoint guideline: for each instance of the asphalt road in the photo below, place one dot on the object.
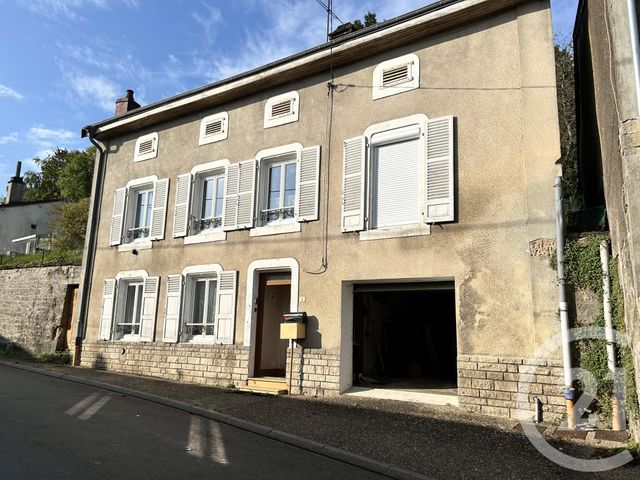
(55, 429)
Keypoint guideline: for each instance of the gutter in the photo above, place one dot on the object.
(90, 245)
(633, 32)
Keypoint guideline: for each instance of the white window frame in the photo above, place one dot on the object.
(413, 64)
(205, 139)
(123, 280)
(137, 157)
(274, 121)
(191, 275)
(134, 186)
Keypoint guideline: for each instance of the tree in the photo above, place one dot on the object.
(369, 19)
(69, 224)
(76, 176)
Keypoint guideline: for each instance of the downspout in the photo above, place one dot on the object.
(633, 32)
(569, 391)
(89, 253)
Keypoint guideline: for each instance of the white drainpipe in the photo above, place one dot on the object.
(635, 48)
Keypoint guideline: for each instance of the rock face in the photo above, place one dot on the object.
(32, 306)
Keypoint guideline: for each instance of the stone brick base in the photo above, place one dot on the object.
(315, 371)
(496, 386)
(219, 365)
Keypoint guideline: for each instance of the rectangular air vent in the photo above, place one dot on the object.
(393, 76)
(213, 127)
(145, 147)
(282, 108)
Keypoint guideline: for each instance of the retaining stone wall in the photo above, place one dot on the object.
(320, 371)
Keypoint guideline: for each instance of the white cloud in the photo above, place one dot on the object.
(69, 9)
(11, 138)
(9, 92)
(208, 20)
(47, 138)
(94, 89)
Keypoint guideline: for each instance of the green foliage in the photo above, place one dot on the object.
(50, 258)
(12, 351)
(76, 176)
(582, 263)
(59, 358)
(69, 225)
(369, 19)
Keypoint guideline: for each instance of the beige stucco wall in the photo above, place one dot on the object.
(497, 78)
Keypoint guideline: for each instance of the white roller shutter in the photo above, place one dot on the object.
(439, 171)
(246, 194)
(149, 308)
(226, 306)
(172, 308)
(117, 216)
(308, 184)
(353, 184)
(183, 201)
(159, 217)
(106, 315)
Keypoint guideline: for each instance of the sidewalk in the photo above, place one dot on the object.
(440, 442)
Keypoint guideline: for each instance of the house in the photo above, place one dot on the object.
(608, 127)
(394, 184)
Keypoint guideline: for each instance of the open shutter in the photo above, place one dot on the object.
(183, 200)
(226, 306)
(106, 316)
(353, 184)
(172, 309)
(307, 191)
(439, 171)
(159, 217)
(117, 216)
(246, 193)
(149, 308)
(230, 209)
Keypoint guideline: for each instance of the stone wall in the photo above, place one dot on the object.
(31, 306)
(315, 371)
(497, 385)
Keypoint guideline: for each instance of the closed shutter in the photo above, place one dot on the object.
(183, 201)
(246, 194)
(395, 182)
(106, 315)
(230, 209)
(307, 191)
(117, 216)
(172, 308)
(439, 171)
(159, 217)
(226, 306)
(149, 308)
(353, 184)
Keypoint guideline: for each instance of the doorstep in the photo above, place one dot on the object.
(266, 385)
(428, 398)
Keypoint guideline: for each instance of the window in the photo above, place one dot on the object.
(146, 147)
(201, 308)
(398, 177)
(214, 128)
(129, 307)
(139, 213)
(199, 210)
(281, 109)
(280, 193)
(395, 76)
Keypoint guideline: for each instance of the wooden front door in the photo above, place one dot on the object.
(274, 298)
(67, 323)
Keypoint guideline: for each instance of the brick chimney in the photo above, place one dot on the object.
(126, 103)
(15, 187)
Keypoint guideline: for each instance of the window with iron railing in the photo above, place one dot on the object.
(130, 324)
(209, 211)
(280, 193)
(141, 220)
(200, 318)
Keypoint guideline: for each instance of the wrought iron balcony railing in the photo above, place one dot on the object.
(202, 224)
(191, 330)
(275, 214)
(136, 233)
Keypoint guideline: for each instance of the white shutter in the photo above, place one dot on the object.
(439, 171)
(183, 201)
(307, 191)
(149, 308)
(230, 209)
(172, 309)
(353, 184)
(246, 193)
(226, 306)
(117, 216)
(159, 217)
(106, 315)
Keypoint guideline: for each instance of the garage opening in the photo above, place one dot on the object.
(404, 339)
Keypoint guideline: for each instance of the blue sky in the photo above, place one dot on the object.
(64, 62)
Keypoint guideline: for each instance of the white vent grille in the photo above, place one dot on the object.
(214, 128)
(282, 109)
(396, 75)
(146, 147)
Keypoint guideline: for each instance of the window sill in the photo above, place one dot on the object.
(290, 227)
(216, 236)
(396, 232)
(130, 338)
(136, 245)
(202, 341)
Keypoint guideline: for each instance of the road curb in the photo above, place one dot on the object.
(343, 456)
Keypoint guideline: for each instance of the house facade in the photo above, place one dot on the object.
(395, 184)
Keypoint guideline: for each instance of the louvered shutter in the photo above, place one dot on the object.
(353, 184)
(172, 308)
(226, 306)
(439, 171)
(159, 217)
(307, 191)
(183, 201)
(149, 308)
(117, 216)
(106, 315)
(246, 194)
(230, 210)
